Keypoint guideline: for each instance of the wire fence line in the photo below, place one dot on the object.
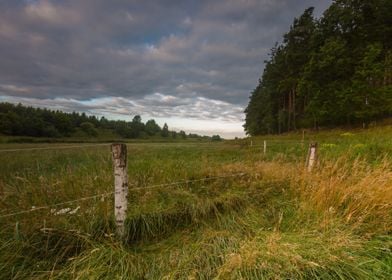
(101, 195)
(188, 181)
(53, 148)
(55, 205)
(96, 145)
(209, 145)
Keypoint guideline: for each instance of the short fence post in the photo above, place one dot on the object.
(119, 155)
(265, 147)
(251, 143)
(312, 156)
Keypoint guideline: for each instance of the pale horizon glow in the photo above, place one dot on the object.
(110, 109)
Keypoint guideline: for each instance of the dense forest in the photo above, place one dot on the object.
(335, 70)
(29, 121)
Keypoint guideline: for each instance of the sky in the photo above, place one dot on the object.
(191, 64)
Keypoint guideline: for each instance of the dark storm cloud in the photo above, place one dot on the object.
(148, 55)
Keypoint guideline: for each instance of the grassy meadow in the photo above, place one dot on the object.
(233, 213)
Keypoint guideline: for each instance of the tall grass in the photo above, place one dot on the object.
(354, 192)
(278, 221)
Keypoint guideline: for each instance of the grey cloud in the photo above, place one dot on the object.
(198, 52)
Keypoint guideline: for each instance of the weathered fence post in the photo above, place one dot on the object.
(265, 147)
(312, 156)
(251, 143)
(119, 155)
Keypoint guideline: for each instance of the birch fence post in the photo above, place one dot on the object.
(265, 147)
(312, 156)
(119, 155)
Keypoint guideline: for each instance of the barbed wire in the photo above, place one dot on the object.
(101, 195)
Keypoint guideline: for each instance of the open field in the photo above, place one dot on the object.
(233, 212)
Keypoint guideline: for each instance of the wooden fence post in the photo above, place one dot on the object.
(265, 147)
(119, 155)
(312, 156)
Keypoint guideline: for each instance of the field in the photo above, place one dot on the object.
(201, 210)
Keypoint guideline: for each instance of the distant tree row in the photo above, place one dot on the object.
(336, 70)
(29, 121)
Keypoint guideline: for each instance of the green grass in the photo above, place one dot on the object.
(273, 222)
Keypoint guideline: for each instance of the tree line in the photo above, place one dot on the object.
(336, 70)
(20, 120)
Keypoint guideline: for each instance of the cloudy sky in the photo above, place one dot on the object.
(190, 63)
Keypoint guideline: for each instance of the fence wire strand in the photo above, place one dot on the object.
(53, 148)
(155, 144)
(111, 193)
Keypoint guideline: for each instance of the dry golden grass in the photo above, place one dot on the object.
(355, 192)
(339, 208)
(359, 194)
